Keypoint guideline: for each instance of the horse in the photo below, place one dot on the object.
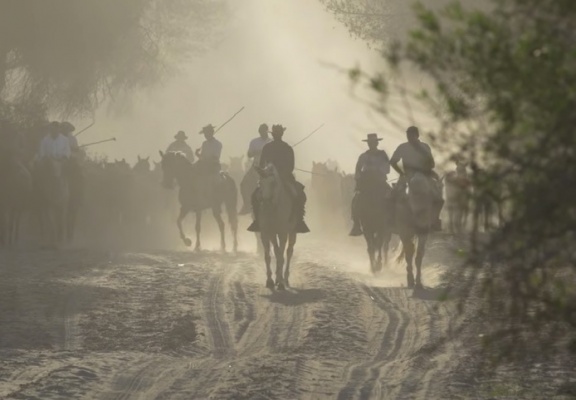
(76, 195)
(53, 198)
(277, 225)
(192, 196)
(414, 213)
(457, 198)
(375, 205)
(17, 195)
(142, 166)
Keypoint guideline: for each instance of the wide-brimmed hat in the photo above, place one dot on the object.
(208, 129)
(67, 127)
(371, 137)
(55, 126)
(180, 135)
(277, 129)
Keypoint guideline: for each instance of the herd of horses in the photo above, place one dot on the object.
(54, 201)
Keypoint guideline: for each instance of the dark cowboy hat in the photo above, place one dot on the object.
(208, 129)
(372, 137)
(55, 126)
(67, 127)
(278, 129)
(180, 135)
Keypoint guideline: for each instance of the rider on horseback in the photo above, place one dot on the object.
(209, 163)
(180, 145)
(250, 181)
(281, 155)
(374, 163)
(417, 157)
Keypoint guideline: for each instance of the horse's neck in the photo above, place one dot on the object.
(185, 175)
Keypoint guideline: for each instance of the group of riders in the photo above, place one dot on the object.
(372, 169)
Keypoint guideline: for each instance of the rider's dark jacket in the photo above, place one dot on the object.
(281, 155)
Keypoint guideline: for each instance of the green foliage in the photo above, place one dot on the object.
(504, 90)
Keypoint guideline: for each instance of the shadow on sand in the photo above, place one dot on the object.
(434, 294)
(295, 297)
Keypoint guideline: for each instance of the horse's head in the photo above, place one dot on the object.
(172, 163)
(142, 165)
(268, 183)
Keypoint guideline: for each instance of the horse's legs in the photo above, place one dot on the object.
(267, 259)
(279, 248)
(181, 216)
(422, 239)
(386, 238)
(218, 217)
(409, 256)
(289, 253)
(378, 242)
(198, 230)
(71, 222)
(370, 247)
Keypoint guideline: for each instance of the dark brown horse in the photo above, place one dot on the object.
(375, 203)
(16, 197)
(192, 196)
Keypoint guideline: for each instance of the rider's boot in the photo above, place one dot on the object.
(255, 226)
(301, 226)
(357, 227)
(246, 208)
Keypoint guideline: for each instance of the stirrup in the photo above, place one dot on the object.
(356, 231)
(301, 227)
(254, 227)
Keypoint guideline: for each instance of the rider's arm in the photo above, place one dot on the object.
(251, 151)
(264, 157)
(431, 157)
(290, 159)
(396, 157)
(359, 166)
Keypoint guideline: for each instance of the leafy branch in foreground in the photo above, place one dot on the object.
(503, 91)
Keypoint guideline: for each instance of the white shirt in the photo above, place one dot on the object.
(55, 147)
(255, 148)
(211, 149)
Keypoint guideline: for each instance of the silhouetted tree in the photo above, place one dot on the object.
(70, 55)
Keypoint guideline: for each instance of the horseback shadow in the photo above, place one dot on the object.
(434, 294)
(295, 297)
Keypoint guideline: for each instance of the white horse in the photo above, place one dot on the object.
(277, 225)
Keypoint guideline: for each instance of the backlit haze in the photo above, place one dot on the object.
(273, 59)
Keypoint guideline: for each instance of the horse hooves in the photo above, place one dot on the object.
(410, 282)
(270, 284)
(187, 242)
(281, 286)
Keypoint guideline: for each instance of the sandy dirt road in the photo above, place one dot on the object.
(180, 325)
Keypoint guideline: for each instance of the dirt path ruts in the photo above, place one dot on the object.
(186, 326)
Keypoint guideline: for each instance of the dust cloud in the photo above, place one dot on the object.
(280, 60)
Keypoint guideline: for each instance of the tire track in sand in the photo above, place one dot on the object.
(216, 322)
(363, 378)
